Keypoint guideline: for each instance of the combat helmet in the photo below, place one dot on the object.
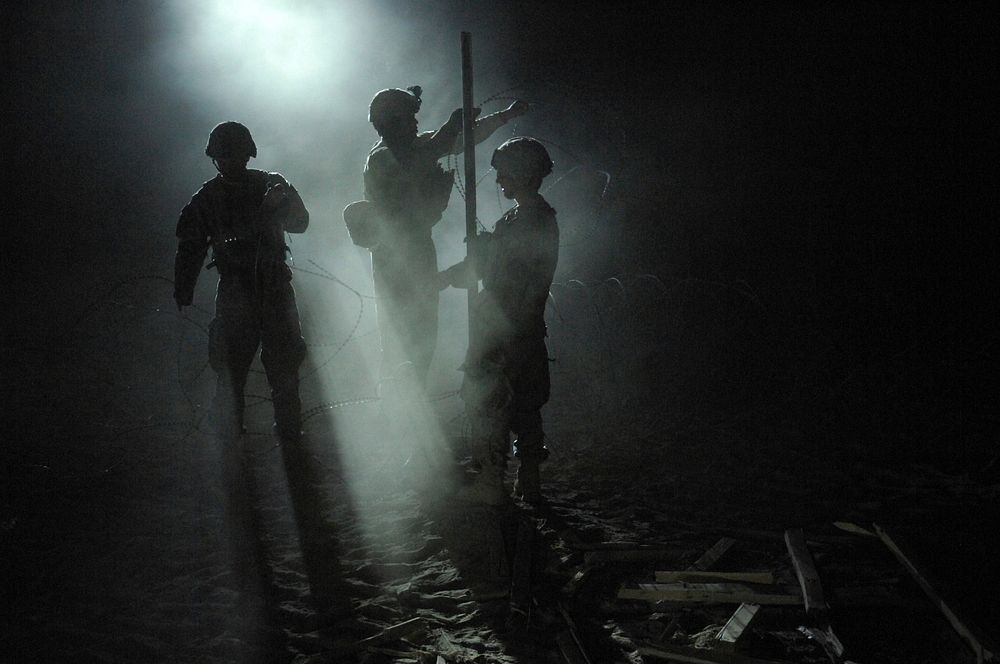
(522, 157)
(230, 140)
(393, 102)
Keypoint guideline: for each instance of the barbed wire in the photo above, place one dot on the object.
(357, 322)
(623, 317)
(312, 412)
(453, 164)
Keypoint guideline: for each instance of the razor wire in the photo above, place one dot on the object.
(570, 330)
(453, 162)
(594, 336)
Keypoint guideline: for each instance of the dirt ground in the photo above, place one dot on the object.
(771, 314)
(115, 537)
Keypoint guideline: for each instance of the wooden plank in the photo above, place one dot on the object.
(984, 648)
(729, 637)
(700, 575)
(805, 570)
(387, 635)
(849, 527)
(570, 648)
(697, 655)
(710, 593)
(712, 555)
(569, 643)
(705, 561)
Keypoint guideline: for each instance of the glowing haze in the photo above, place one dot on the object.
(300, 75)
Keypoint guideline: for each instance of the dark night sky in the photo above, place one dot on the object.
(834, 157)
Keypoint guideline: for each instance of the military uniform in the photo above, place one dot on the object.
(255, 303)
(410, 191)
(506, 380)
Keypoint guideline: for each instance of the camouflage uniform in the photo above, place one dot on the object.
(410, 191)
(506, 380)
(255, 303)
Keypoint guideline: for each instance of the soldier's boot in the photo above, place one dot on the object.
(528, 486)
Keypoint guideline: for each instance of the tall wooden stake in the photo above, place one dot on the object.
(468, 122)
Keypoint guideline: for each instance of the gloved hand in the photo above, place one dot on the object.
(456, 116)
(459, 275)
(276, 195)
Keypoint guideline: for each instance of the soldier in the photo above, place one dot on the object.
(409, 190)
(506, 380)
(243, 214)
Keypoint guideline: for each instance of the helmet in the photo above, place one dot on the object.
(230, 140)
(522, 156)
(392, 102)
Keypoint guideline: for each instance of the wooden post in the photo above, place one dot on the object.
(468, 124)
(805, 570)
(982, 645)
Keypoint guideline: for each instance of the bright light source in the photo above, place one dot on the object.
(268, 55)
(285, 42)
(290, 71)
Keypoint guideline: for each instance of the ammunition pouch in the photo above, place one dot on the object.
(233, 255)
(239, 257)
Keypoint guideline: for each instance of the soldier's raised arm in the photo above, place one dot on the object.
(487, 125)
(448, 136)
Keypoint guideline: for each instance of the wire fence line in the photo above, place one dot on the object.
(619, 346)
